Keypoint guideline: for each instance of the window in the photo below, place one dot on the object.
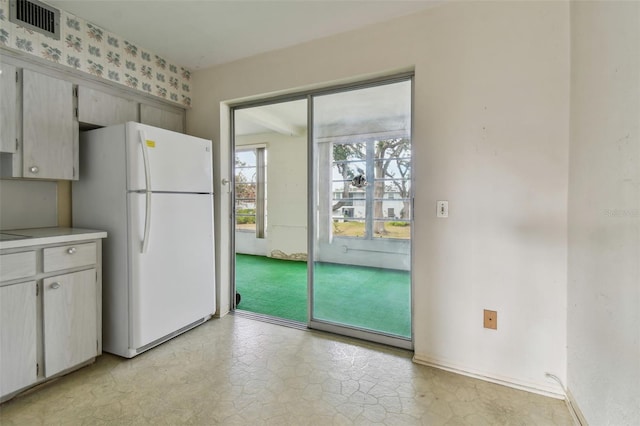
(250, 190)
(373, 178)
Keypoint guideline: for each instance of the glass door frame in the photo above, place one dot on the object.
(350, 331)
(232, 185)
(314, 323)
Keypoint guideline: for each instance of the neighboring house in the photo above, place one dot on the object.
(355, 209)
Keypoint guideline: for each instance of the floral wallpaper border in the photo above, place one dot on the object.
(89, 48)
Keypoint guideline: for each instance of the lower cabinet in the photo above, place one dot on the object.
(69, 318)
(50, 307)
(18, 341)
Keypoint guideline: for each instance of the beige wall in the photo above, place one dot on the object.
(490, 135)
(604, 212)
(29, 204)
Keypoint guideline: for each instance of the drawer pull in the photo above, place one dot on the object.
(55, 286)
(34, 169)
(71, 250)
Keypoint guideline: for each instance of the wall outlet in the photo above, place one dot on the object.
(491, 319)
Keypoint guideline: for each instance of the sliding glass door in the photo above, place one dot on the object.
(361, 212)
(270, 209)
(323, 210)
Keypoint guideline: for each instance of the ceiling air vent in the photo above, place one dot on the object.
(36, 16)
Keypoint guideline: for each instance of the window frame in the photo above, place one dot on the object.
(260, 200)
(368, 195)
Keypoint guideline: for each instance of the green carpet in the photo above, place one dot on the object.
(371, 298)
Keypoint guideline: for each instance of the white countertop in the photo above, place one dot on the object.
(38, 236)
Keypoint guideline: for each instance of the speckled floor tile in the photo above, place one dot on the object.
(238, 371)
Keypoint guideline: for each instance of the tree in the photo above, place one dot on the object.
(401, 158)
(391, 160)
(245, 185)
(343, 152)
(388, 152)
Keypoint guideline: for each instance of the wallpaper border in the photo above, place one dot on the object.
(91, 49)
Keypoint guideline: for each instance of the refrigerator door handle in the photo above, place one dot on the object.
(147, 177)
(145, 158)
(147, 223)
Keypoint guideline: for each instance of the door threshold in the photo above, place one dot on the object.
(360, 335)
(271, 319)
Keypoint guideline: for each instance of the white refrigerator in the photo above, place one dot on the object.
(152, 191)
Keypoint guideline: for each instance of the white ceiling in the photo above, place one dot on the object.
(378, 110)
(287, 118)
(200, 34)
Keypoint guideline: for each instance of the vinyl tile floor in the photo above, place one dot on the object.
(239, 371)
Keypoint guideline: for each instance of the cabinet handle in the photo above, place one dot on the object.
(34, 169)
(71, 250)
(55, 286)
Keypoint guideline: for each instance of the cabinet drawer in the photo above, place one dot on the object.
(69, 256)
(17, 265)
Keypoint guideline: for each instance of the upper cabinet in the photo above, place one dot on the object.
(163, 118)
(42, 125)
(8, 107)
(103, 109)
(42, 109)
(98, 108)
(50, 129)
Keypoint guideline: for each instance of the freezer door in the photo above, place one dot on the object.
(172, 284)
(170, 161)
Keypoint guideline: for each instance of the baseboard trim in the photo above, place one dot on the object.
(575, 411)
(221, 314)
(551, 391)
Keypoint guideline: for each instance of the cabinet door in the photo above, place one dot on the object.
(17, 336)
(8, 107)
(50, 131)
(103, 109)
(165, 119)
(69, 317)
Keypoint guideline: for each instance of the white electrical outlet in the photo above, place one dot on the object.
(443, 209)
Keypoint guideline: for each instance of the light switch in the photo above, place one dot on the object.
(443, 209)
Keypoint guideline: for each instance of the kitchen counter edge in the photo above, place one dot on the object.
(41, 236)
